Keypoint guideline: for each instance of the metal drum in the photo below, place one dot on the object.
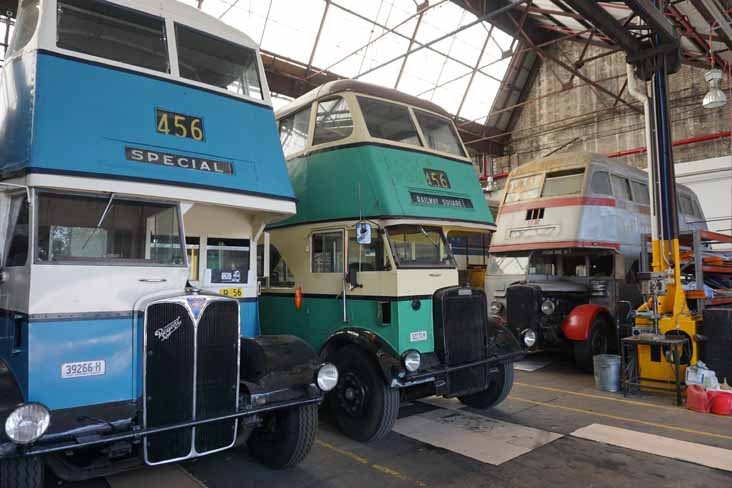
(607, 372)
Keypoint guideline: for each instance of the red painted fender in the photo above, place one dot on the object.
(576, 326)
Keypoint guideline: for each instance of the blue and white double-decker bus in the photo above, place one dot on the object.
(128, 126)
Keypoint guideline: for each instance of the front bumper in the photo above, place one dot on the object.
(437, 372)
(101, 432)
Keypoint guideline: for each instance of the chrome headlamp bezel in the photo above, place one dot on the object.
(548, 307)
(411, 360)
(27, 412)
(326, 377)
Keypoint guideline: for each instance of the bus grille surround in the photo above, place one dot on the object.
(523, 303)
(191, 372)
(461, 330)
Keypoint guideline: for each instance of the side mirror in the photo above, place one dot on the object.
(363, 233)
(352, 276)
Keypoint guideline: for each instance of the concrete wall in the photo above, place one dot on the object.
(554, 117)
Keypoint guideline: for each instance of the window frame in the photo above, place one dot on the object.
(453, 130)
(418, 130)
(46, 39)
(8, 243)
(103, 263)
(609, 182)
(627, 187)
(227, 247)
(343, 237)
(314, 122)
(381, 236)
(646, 199)
(308, 136)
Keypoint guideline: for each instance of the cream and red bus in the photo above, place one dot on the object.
(567, 249)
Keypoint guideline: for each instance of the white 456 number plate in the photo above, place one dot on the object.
(83, 368)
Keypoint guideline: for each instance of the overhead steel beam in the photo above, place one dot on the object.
(655, 19)
(607, 24)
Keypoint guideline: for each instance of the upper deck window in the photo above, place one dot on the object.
(333, 121)
(439, 133)
(568, 182)
(112, 32)
(640, 192)
(26, 25)
(214, 61)
(621, 187)
(526, 188)
(107, 230)
(385, 120)
(294, 132)
(601, 183)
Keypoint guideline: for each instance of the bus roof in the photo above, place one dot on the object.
(558, 162)
(341, 86)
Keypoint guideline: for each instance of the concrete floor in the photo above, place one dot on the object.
(555, 399)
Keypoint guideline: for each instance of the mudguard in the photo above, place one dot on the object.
(388, 358)
(271, 363)
(577, 325)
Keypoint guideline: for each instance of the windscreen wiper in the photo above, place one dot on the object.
(101, 220)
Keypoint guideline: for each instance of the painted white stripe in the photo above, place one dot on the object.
(475, 436)
(712, 457)
(165, 476)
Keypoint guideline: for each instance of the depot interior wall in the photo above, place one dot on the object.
(556, 115)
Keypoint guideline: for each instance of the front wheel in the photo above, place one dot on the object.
(365, 408)
(27, 472)
(285, 437)
(497, 391)
(599, 342)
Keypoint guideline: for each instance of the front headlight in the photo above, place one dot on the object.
(496, 308)
(327, 377)
(548, 307)
(411, 360)
(529, 337)
(27, 423)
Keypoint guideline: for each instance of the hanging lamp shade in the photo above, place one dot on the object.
(715, 97)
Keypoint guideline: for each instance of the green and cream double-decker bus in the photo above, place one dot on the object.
(364, 273)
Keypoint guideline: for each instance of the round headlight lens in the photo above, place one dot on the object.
(327, 377)
(412, 360)
(496, 307)
(27, 423)
(529, 338)
(548, 307)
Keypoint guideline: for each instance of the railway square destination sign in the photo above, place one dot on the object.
(187, 162)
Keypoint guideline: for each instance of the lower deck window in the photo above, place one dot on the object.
(327, 252)
(107, 230)
(228, 260)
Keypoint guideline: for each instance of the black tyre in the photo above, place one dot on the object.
(599, 342)
(25, 472)
(500, 387)
(286, 437)
(363, 405)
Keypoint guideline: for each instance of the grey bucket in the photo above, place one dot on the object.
(607, 372)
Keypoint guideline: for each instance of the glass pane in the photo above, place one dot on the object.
(111, 32)
(686, 206)
(575, 266)
(280, 275)
(563, 183)
(601, 183)
(25, 25)
(91, 229)
(439, 133)
(228, 260)
(602, 265)
(620, 187)
(216, 62)
(526, 188)
(367, 257)
(543, 264)
(328, 253)
(332, 122)
(390, 121)
(17, 240)
(508, 264)
(640, 193)
(294, 132)
(419, 246)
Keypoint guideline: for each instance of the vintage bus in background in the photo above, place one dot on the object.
(567, 250)
(124, 123)
(364, 273)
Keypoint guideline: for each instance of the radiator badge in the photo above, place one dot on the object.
(164, 333)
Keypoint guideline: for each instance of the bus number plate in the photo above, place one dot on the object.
(232, 292)
(179, 125)
(83, 368)
(436, 178)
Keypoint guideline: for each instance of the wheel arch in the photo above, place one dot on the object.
(578, 323)
(375, 346)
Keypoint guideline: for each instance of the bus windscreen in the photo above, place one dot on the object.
(567, 182)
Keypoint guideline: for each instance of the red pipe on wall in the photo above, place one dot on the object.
(682, 142)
